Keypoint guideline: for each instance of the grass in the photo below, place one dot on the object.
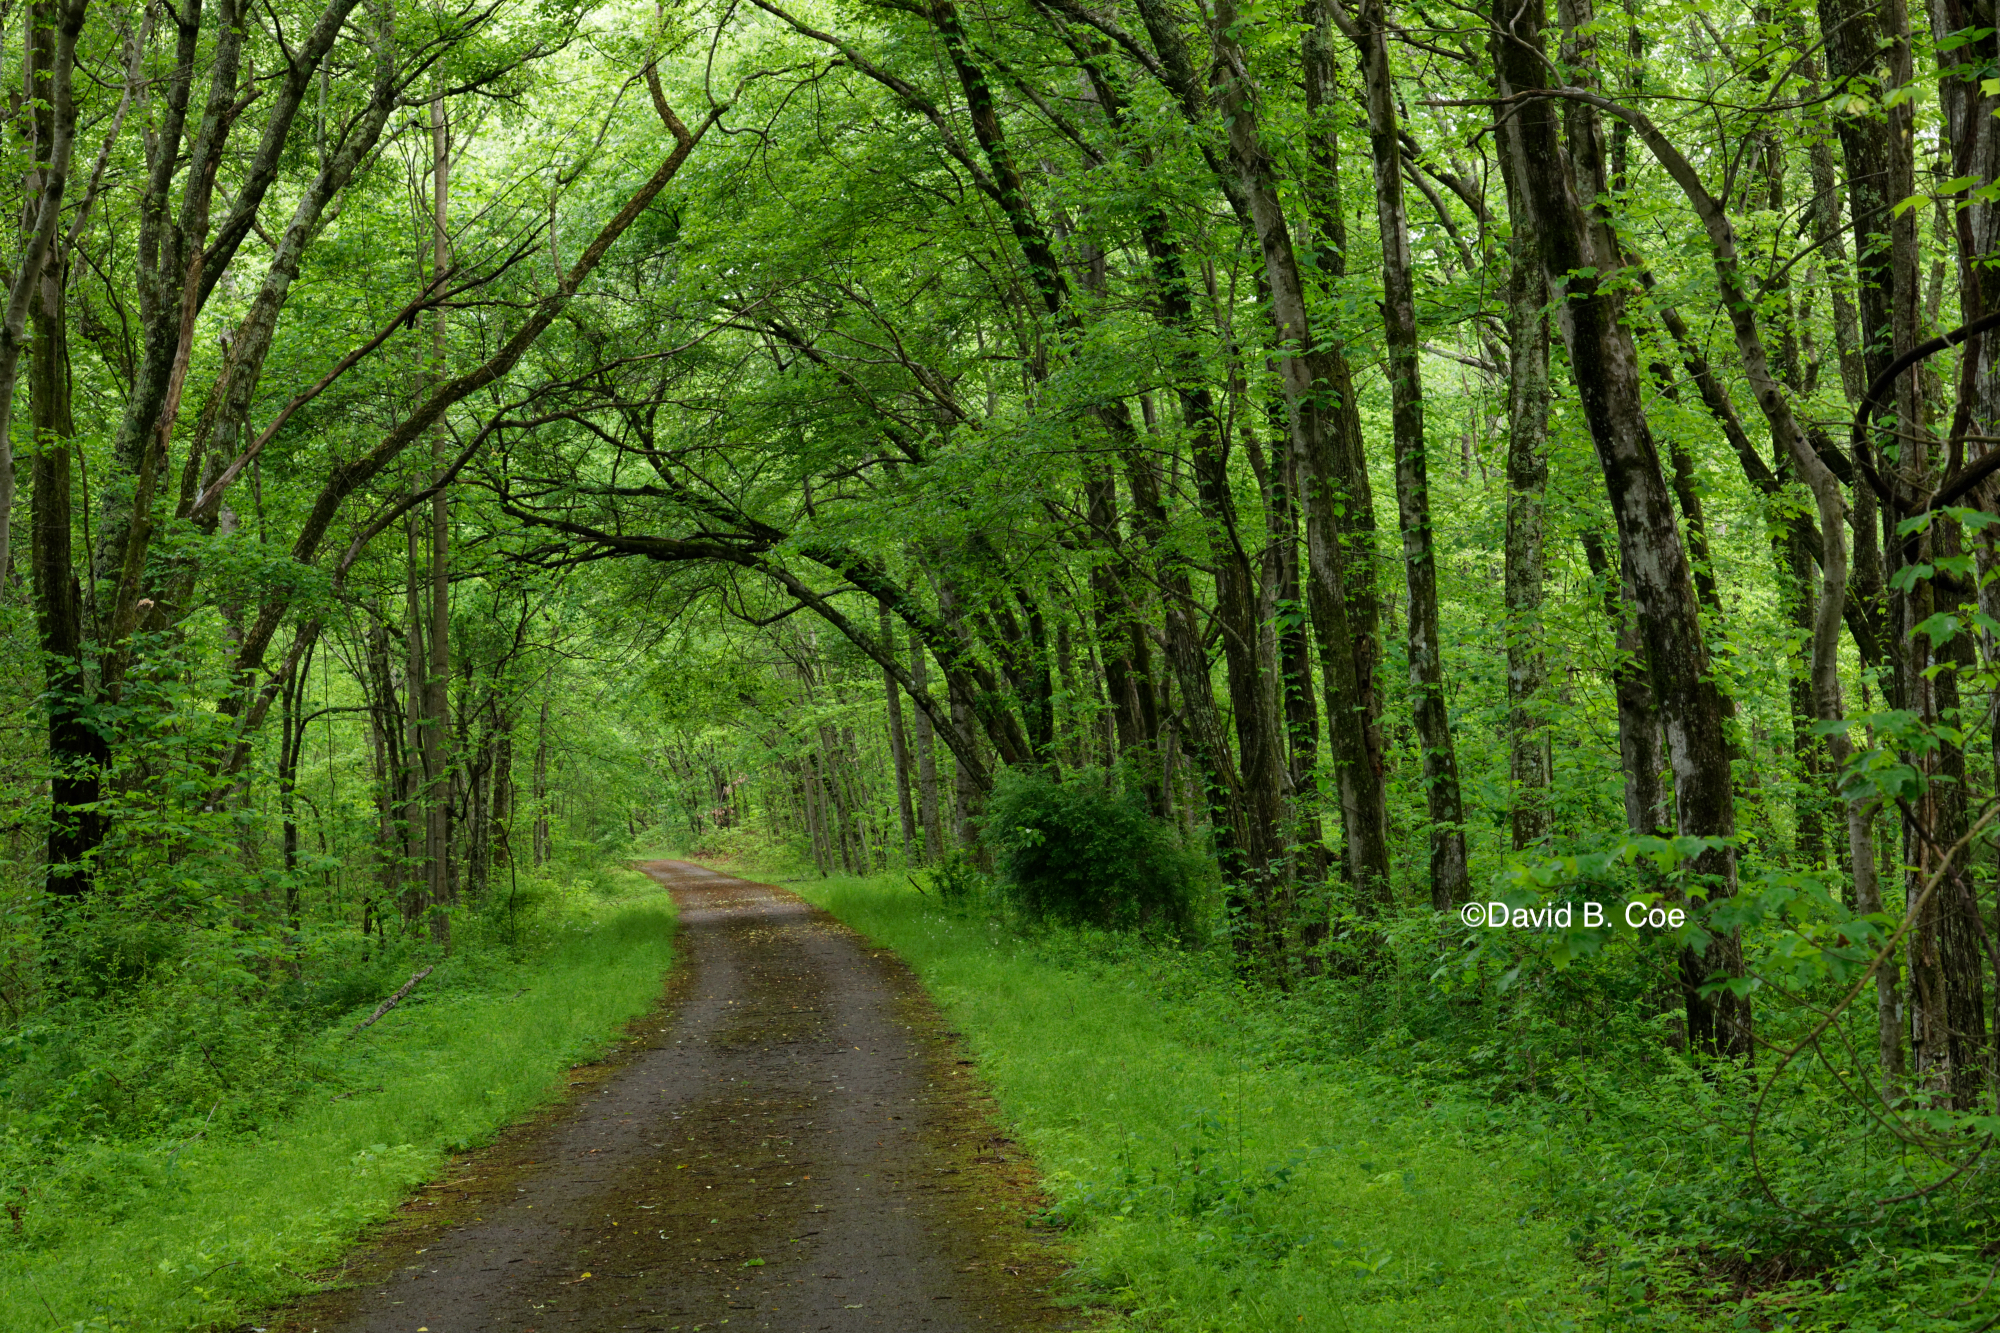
(1206, 1190)
(199, 1233)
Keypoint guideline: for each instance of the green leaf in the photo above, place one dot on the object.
(1940, 629)
(1972, 518)
(1906, 578)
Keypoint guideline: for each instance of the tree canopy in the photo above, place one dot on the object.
(1402, 455)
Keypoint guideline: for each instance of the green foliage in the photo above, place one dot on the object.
(817, 358)
(1206, 1185)
(1569, 1083)
(147, 1219)
(958, 882)
(1078, 851)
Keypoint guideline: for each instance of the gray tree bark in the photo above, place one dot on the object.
(927, 776)
(1528, 755)
(1449, 875)
(1575, 248)
(899, 751)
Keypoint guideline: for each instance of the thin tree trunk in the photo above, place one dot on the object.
(839, 813)
(1294, 658)
(78, 749)
(420, 744)
(479, 822)
(52, 36)
(1833, 245)
(898, 749)
(1449, 874)
(385, 722)
(1112, 617)
(437, 700)
(1529, 758)
(291, 738)
(1307, 376)
(927, 777)
(503, 788)
(815, 827)
(1642, 750)
(538, 792)
(967, 788)
(1350, 515)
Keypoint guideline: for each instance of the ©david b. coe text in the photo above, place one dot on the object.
(1564, 916)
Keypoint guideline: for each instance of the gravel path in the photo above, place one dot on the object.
(791, 1143)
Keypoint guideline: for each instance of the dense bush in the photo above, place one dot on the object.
(1081, 852)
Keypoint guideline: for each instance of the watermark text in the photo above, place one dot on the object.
(1568, 916)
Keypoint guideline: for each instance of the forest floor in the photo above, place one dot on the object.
(792, 1142)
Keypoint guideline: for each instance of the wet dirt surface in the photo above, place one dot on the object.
(791, 1141)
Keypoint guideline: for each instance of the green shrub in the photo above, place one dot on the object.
(1080, 852)
(956, 880)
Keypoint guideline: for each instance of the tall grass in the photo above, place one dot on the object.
(162, 1236)
(1205, 1191)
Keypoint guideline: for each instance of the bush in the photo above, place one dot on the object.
(1080, 852)
(956, 880)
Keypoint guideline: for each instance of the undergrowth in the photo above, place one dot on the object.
(1223, 1149)
(1206, 1187)
(157, 1138)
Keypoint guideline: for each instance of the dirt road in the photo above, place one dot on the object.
(795, 1145)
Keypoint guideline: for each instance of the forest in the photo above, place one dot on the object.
(1287, 503)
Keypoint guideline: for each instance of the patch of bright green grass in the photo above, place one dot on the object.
(197, 1234)
(1205, 1191)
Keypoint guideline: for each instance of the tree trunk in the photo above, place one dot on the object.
(1606, 372)
(421, 739)
(479, 822)
(1808, 750)
(1294, 658)
(503, 788)
(52, 31)
(437, 681)
(1332, 498)
(1450, 884)
(927, 777)
(968, 791)
(1948, 1033)
(78, 750)
(386, 729)
(898, 750)
(1351, 514)
(1528, 758)
(815, 821)
(1121, 635)
(538, 792)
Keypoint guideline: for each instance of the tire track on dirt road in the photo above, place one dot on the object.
(794, 1146)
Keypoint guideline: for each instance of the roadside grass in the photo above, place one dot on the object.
(198, 1233)
(1207, 1190)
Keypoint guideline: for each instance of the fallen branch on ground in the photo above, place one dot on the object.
(391, 1002)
